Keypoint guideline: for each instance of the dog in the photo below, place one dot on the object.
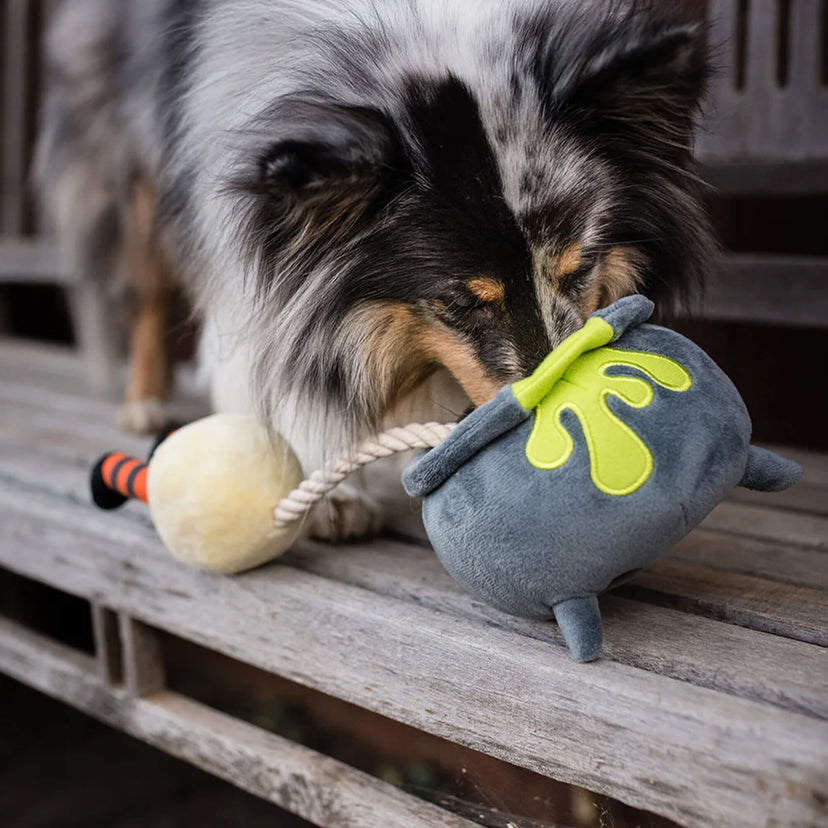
(381, 210)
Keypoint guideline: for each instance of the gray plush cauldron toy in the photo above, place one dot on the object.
(570, 481)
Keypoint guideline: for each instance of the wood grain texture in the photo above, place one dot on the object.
(695, 649)
(690, 696)
(783, 603)
(762, 119)
(767, 559)
(768, 523)
(782, 609)
(108, 655)
(774, 673)
(649, 740)
(316, 787)
(804, 497)
(143, 661)
(15, 96)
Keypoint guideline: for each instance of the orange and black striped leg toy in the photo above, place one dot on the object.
(212, 489)
(116, 478)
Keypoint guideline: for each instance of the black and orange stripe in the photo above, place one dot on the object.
(116, 478)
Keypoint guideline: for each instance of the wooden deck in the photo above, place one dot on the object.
(710, 705)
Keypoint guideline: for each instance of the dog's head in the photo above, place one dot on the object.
(470, 212)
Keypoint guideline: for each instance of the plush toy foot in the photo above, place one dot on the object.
(348, 513)
(580, 623)
(766, 471)
(142, 416)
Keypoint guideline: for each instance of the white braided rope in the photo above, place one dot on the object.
(309, 492)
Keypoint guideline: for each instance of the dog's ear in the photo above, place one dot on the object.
(318, 147)
(644, 86)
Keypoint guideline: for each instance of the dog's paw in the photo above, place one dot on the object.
(143, 416)
(348, 513)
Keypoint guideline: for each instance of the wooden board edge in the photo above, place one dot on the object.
(313, 786)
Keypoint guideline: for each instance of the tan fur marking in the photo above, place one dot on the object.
(620, 274)
(487, 289)
(459, 357)
(151, 280)
(622, 271)
(401, 350)
(390, 345)
(569, 260)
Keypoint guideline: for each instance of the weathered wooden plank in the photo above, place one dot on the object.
(413, 573)
(108, 655)
(42, 362)
(809, 495)
(804, 497)
(767, 603)
(691, 648)
(514, 697)
(16, 93)
(765, 560)
(769, 523)
(316, 787)
(31, 261)
(782, 609)
(25, 382)
(758, 557)
(784, 290)
(143, 661)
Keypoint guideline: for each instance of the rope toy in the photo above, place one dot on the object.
(225, 494)
(322, 482)
(563, 486)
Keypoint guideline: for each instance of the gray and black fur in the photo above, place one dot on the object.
(359, 192)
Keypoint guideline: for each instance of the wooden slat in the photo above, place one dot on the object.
(783, 290)
(521, 699)
(413, 573)
(45, 447)
(753, 556)
(782, 178)
(30, 260)
(16, 96)
(143, 664)
(694, 649)
(44, 363)
(804, 497)
(316, 787)
(82, 440)
(759, 603)
(768, 523)
(782, 609)
(108, 653)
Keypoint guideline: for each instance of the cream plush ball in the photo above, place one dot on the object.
(212, 488)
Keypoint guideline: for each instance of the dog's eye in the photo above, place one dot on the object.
(465, 301)
(574, 281)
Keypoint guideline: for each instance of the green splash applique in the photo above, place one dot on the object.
(620, 461)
